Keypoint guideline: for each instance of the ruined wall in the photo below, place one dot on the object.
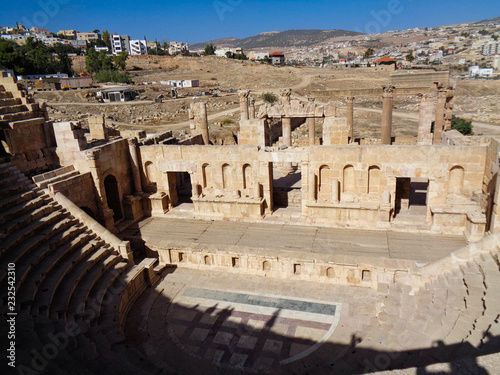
(25, 133)
(229, 181)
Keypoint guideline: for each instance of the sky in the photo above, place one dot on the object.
(195, 21)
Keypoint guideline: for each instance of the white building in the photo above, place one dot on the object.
(120, 43)
(138, 47)
(177, 47)
(222, 52)
(491, 48)
(182, 83)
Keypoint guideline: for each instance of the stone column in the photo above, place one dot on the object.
(287, 139)
(244, 103)
(311, 124)
(335, 190)
(252, 109)
(312, 186)
(440, 113)
(287, 131)
(285, 96)
(134, 162)
(350, 116)
(388, 98)
(202, 124)
(425, 120)
(450, 101)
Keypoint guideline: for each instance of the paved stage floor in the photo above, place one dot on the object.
(421, 247)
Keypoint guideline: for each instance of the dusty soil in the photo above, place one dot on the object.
(476, 100)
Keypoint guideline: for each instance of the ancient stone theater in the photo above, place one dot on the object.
(138, 253)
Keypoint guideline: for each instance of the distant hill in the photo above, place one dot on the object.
(289, 38)
(494, 20)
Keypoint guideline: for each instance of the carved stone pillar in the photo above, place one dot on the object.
(286, 95)
(440, 113)
(335, 190)
(388, 99)
(252, 109)
(450, 102)
(287, 131)
(350, 116)
(311, 124)
(134, 162)
(312, 186)
(425, 120)
(244, 103)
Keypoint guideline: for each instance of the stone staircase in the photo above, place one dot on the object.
(18, 111)
(453, 314)
(72, 286)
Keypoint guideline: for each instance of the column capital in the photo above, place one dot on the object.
(243, 95)
(388, 91)
(350, 99)
(92, 154)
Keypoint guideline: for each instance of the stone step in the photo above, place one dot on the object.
(33, 243)
(5, 95)
(13, 109)
(25, 238)
(62, 177)
(24, 219)
(65, 289)
(10, 179)
(13, 200)
(17, 116)
(85, 285)
(101, 290)
(10, 101)
(27, 122)
(21, 209)
(17, 188)
(8, 171)
(61, 270)
(44, 259)
(56, 172)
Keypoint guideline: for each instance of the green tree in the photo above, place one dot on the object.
(210, 49)
(462, 125)
(369, 52)
(65, 65)
(120, 60)
(269, 97)
(106, 38)
(410, 58)
(10, 56)
(483, 32)
(229, 55)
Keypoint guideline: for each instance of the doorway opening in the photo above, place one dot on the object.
(113, 197)
(184, 188)
(411, 198)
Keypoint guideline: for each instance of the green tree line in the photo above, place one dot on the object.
(34, 57)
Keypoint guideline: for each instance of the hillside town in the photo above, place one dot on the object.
(471, 48)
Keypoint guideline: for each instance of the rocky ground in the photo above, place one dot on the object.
(476, 100)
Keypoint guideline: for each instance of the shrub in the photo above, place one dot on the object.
(112, 76)
(227, 121)
(462, 125)
(269, 97)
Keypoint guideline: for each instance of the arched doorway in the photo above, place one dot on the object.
(113, 197)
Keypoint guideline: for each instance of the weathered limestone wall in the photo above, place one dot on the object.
(229, 181)
(341, 185)
(419, 78)
(252, 132)
(70, 142)
(80, 190)
(336, 131)
(28, 137)
(336, 270)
